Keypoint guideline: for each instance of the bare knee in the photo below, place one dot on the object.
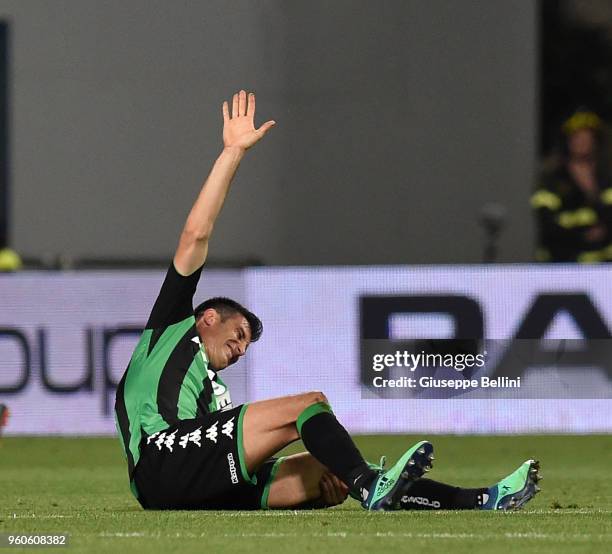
(294, 406)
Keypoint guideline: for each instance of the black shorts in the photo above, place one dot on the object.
(199, 464)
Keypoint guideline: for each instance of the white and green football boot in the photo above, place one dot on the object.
(390, 485)
(512, 492)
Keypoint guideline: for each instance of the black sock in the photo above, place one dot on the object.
(329, 442)
(426, 494)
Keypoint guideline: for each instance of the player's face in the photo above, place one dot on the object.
(581, 144)
(225, 340)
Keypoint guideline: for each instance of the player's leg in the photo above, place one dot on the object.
(268, 426)
(426, 494)
(512, 492)
(301, 481)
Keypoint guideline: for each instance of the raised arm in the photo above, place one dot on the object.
(239, 134)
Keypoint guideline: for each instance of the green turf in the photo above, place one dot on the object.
(79, 486)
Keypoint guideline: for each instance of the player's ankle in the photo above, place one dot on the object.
(361, 479)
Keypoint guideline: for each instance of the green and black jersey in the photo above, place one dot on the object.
(168, 378)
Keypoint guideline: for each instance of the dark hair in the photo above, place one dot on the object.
(228, 307)
(584, 118)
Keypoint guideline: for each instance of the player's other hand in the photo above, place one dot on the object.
(333, 491)
(239, 127)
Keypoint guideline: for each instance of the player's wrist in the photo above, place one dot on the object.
(236, 152)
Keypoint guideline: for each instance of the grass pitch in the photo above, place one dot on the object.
(79, 487)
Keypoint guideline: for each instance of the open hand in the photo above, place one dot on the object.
(239, 128)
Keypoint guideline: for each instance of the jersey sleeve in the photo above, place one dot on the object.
(175, 300)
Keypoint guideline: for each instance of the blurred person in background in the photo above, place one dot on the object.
(573, 198)
(4, 413)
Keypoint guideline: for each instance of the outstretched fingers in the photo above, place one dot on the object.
(225, 111)
(251, 105)
(266, 127)
(242, 103)
(235, 106)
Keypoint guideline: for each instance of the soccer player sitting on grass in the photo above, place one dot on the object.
(188, 448)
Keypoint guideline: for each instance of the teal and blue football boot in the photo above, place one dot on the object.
(512, 492)
(390, 485)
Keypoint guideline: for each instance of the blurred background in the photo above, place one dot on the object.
(408, 134)
(397, 122)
